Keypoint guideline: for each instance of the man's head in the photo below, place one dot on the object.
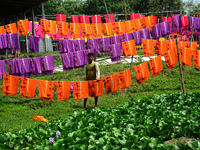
(90, 57)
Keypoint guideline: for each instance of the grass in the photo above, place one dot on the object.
(16, 113)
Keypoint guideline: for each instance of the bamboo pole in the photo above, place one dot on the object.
(107, 11)
(26, 37)
(43, 16)
(125, 10)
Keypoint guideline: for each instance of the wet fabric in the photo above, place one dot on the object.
(97, 30)
(176, 23)
(165, 29)
(115, 39)
(108, 29)
(149, 22)
(35, 65)
(67, 61)
(80, 90)
(128, 48)
(62, 28)
(137, 37)
(51, 27)
(125, 79)
(138, 24)
(74, 19)
(3, 41)
(75, 30)
(46, 90)
(156, 32)
(155, 65)
(142, 72)
(111, 84)
(84, 19)
(93, 43)
(10, 85)
(155, 20)
(148, 47)
(186, 56)
(95, 88)
(167, 18)
(136, 16)
(2, 68)
(66, 46)
(172, 45)
(185, 22)
(86, 30)
(115, 52)
(79, 59)
(104, 44)
(63, 90)
(127, 37)
(12, 41)
(78, 45)
(196, 58)
(2, 30)
(193, 23)
(23, 67)
(96, 19)
(47, 64)
(61, 17)
(161, 47)
(170, 59)
(33, 43)
(44, 25)
(128, 26)
(28, 87)
(119, 28)
(11, 28)
(112, 19)
(11, 66)
(145, 34)
(23, 27)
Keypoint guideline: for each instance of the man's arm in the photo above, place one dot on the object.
(97, 71)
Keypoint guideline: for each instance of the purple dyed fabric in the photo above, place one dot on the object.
(137, 37)
(4, 41)
(165, 28)
(2, 68)
(35, 65)
(145, 34)
(11, 66)
(61, 48)
(104, 44)
(176, 23)
(156, 32)
(79, 45)
(115, 52)
(47, 64)
(68, 61)
(115, 39)
(33, 43)
(198, 25)
(193, 22)
(127, 37)
(79, 59)
(93, 43)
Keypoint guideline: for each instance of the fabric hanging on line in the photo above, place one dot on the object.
(62, 28)
(2, 68)
(33, 43)
(66, 46)
(145, 34)
(11, 66)
(148, 47)
(97, 30)
(193, 47)
(138, 24)
(165, 29)
(75, 30)
(12, 42)
(108, 29)
(28, 87)
(35, 65)
(155, 65)
(136, 16)
(61, 17)
(67, 61)
(46, 89)
(167, 19)
(129, 27)
(23, 27)
(127, 37)
(79, 59)
(186, 56)
(4, 42)
(119, 28)
(85, 19)
(115, 52)
(125, 79)
(86, 30)
(23, 67)
(193, 22)
(74, 19)
(51, 27)
(161, 47)
(63, 90)
(2, 30)
(172, 45)
(155, 20)
(196, 58)
(170, 58)
(10, 85)
(80, 90)
(44, 25)
(184, 22)
(149, 22)
(104, 44)
(156, 32)
(96, 19)
(137, 38)
(47, 64)
(176, 23)
(93, 43)
(111, 83)
(128, 48)
(112, 19)
(142, 72)
(95, 88)
(78, 45)
(182, 44)
(115, 39)
(11, 28)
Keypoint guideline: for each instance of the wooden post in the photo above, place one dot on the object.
(26, 37)
(43, 16)
(107, 11)
(180, 18)
(125, 10)
(17, 52)
(33, 21)
(180, 68)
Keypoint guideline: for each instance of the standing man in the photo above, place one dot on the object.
(92, 73)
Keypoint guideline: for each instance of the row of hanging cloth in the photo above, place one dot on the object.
(26, 66)
(81, 89)
(9, 42)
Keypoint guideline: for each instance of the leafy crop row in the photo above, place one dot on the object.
(140, 124)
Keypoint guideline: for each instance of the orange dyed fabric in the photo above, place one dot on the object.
(75, 30)
(161, 47)
(80, 90)
(170, 58)
(172, 45)
(44, 25)
(149, 22)
(86, 30)
(11, 28)
(10, 85)
(95, 88)
(155, 65)
(97, 30)
(196, 58)
(28, 87)
(138, 24)
(23, 27)
(193, 47)
(183, 44)
(46, 89)
(52, 27)
(142, 72)
(108, 29)
(125, 79)
(2, 31)
(63, 90)
(111, 83)
(186, 56)
(40, 118)
(148, 47)
(129, 27)
(128, 48)
(119, 28)
(62, 28)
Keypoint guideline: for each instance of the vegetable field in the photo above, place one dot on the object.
(139, 124)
